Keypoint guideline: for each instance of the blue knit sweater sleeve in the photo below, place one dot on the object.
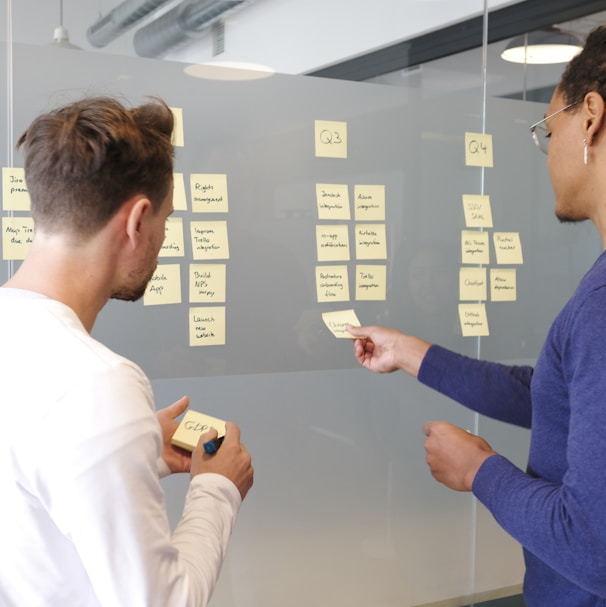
(492, 389)
(556, 508)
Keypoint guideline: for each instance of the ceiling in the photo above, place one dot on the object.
(322, 47)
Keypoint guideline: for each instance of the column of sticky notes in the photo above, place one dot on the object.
(335, 226)
(206, 274)
(476, 286)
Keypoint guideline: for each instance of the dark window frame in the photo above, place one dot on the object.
(503, 23)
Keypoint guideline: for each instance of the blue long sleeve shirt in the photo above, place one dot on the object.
(557, 508)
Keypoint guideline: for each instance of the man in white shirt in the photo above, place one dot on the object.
(82, 449)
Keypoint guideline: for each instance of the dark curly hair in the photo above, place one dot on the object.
(84, 160)
(586, 71)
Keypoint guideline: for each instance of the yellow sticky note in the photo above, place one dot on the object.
(337, 322)
(173, 245)
(474, 322)
(209, 240)
(207, 326)
(332, 242)
(17, 236)
(207, 282)
(507, 247)
(178, 138)
(369, 202)
(333, 201)
(192, 426)
(208, 193)
(15, 195)
(371, 282)
(179, 198)
(332, 283)
(371, 241)
(472, 284)
(478, 150)
(503, 284)
(331, 139)
(478, 213)
(474, 247)
(164, 286)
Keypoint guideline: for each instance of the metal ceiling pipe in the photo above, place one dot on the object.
(120, 19)
(186, 21)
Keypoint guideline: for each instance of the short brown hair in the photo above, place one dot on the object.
(84, 160)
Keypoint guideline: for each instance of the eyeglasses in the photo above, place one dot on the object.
(539, 131)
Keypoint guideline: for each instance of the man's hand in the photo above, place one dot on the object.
(454, 455)
(231, 459)
(177, 459)
(384, 350)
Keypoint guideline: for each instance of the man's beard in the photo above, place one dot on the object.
(130, 293)
(563, 218)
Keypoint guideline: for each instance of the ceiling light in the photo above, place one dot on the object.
(542, 47)
(60, 33)
(229, 70)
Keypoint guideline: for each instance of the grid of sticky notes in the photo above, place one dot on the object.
(203, 279)
(206, 274)
(478, 281)
(350, 227)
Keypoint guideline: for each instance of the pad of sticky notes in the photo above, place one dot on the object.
(192, 426)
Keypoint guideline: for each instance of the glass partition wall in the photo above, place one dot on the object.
(344, 510)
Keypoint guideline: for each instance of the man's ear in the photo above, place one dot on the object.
(594, 108)
(137, 211)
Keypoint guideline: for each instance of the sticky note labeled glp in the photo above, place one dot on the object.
(192, 426)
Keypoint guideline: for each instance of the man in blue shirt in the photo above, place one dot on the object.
(556, 509)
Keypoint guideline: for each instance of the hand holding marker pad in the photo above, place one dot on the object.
(192, 426)
(337, 322)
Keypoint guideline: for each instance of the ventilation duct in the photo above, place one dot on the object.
(121, 19)
(184, 22)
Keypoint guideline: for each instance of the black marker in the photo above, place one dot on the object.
(211, 446)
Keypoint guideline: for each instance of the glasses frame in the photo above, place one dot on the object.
(541, 126)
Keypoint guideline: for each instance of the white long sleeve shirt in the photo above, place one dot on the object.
(84, 519)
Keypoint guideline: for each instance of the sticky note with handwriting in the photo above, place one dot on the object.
(192, 426)
(15, 195)
(478, 213)
(331, 138)
(337, 322)
(478, 150)
(164, 286)
(508, 248)
(173, 245)
(474, 322)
